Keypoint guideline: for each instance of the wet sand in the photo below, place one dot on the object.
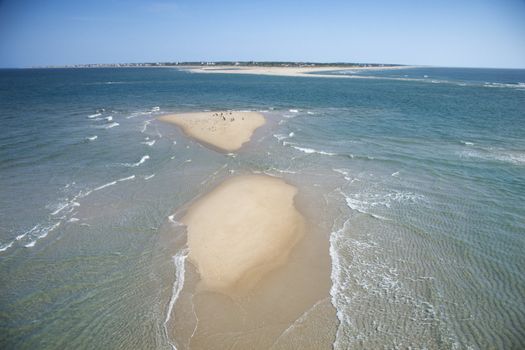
(224, 130)
(258, 275)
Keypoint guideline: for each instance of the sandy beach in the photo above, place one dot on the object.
(224, 130)
(258, 271)
(241, 230)
(287, 71)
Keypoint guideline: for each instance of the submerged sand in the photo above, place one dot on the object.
(226, 130)
(244, 228)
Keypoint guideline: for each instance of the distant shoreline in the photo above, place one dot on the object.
(246, 65)
(290, 69)
(306, 70)
(233, 64)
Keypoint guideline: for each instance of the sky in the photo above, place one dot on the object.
(452, 33)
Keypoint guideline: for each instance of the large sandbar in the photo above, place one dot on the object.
(226, 130)
(241, 230)
(291, 71)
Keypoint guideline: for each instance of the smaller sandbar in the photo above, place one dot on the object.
(241, 230)
(225, 130)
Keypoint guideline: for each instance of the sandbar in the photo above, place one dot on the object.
(241, 230)
(225, 130)
(291, 71)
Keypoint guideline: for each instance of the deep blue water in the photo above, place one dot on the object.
(425, 167)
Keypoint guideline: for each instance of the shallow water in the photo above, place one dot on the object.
(418, 186)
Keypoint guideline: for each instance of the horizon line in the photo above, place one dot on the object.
(163, 64)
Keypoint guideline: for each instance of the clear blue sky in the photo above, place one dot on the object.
(475, 33)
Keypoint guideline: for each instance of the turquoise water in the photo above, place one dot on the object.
(422, 181)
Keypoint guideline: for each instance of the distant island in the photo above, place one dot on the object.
(225, 63)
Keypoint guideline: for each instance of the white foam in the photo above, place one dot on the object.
(147, 177)
(149, 143)
(467, 143)
(155, 109)
(71, 204)
(284, 171)
(5, 247)
(280, 137)
(171, 218)
(337, 276)
(46, 231)
(19, 237)
(140, 162)
(293, 110)
(364, 202)
(105, 185)
(126, 178)
(311, 150)
(495, 154)
(60, 208)
(42, 232)
(174, 142)
(343, 172)
(404, 197)
(504, 85)
(179, 261)
(94, 115)
(355, 204)
(145, 126)
(311, 113)
(112, 125)
(30, 244)
(92, 138)
(73, 220)
(395, 174)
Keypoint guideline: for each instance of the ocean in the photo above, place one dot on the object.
(416, 177)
